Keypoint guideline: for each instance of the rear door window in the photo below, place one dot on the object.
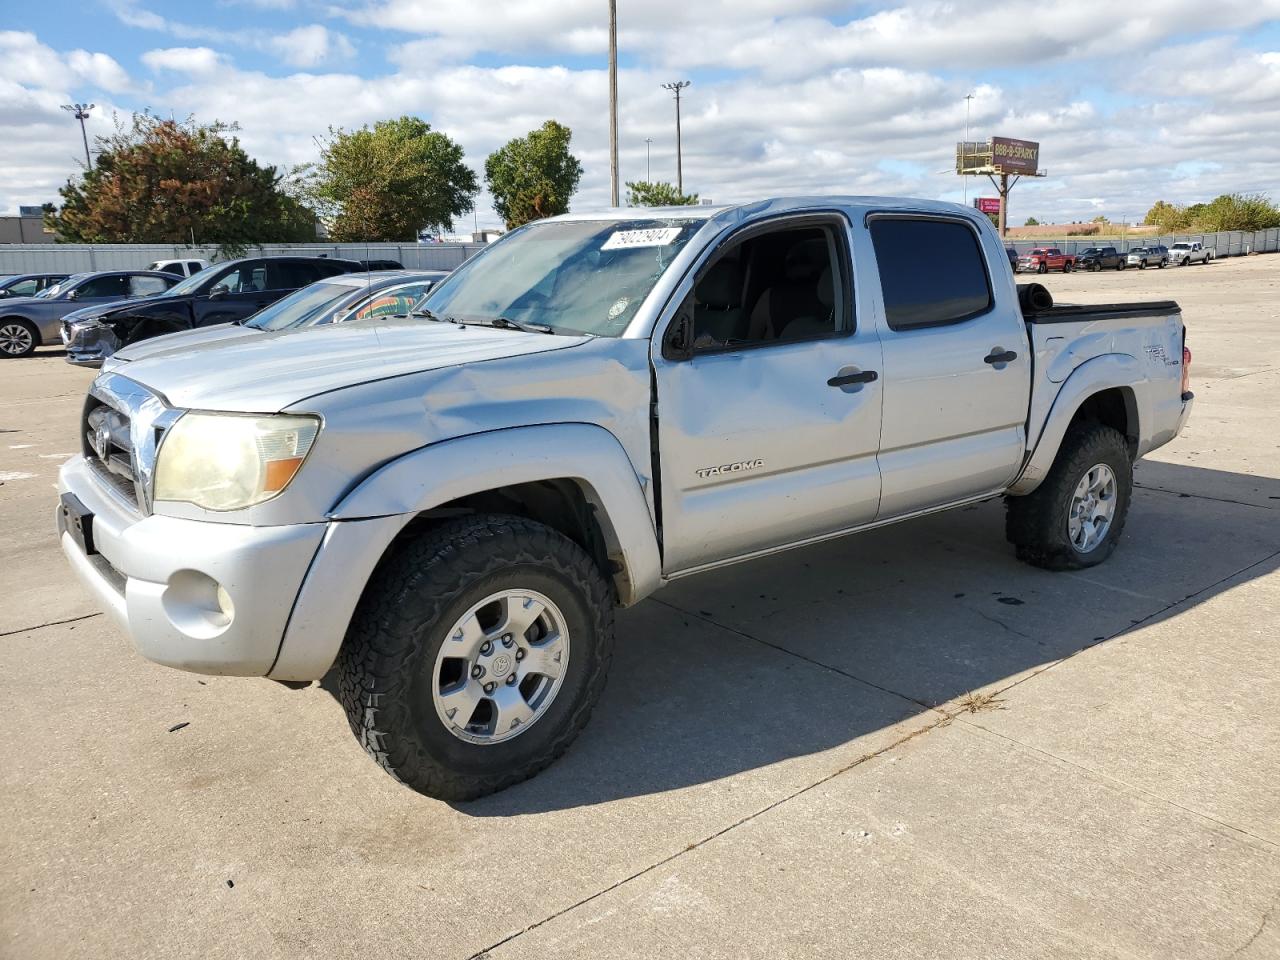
(292, 274)
(143, 286)
(932, 272)
(112, 285)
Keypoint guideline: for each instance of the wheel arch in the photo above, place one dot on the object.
(1107, 389)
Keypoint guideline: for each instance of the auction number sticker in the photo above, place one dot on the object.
(628, 239)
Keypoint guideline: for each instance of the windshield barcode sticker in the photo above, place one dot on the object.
(626, 239)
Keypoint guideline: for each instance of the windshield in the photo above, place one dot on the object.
(1182, 246)
(48, 293)
(574, 276)
(300, 307)
(194, 282)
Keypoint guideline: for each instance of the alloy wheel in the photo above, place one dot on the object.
(1093, 507)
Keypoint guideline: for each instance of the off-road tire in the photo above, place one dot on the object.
(386, 669)
(1037, 524)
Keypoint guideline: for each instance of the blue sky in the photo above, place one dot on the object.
(1179, 101)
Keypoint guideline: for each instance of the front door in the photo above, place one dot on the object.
(768, 420)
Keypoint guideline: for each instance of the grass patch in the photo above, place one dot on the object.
(975, 702)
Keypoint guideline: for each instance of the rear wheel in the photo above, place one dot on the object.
(476, 655)
(1075, 517)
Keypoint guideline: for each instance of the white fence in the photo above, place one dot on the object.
(1230, 243)
(79, 257)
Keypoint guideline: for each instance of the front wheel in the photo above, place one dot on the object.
(1075, 517)
(476, 655)
(1043, 268)
(1066, 266)
(18, 338)
(1163, 264)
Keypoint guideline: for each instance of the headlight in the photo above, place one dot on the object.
(225, 461)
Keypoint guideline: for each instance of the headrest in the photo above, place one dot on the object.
(803, 259)
(826, 289)
(722, 284)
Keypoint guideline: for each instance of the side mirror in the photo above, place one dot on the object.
(73, 295)
(677, 342)
(218, 292)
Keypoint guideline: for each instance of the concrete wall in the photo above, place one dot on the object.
(77, 257)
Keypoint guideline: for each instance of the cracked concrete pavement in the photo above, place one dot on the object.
(901, 744)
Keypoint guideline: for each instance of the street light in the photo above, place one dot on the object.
(675, 88)
(647, 142)
(968, 97)
(81, 111)
(613, 101)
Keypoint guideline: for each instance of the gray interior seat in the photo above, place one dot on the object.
(814, 324)
(717, 308)
(795, 296)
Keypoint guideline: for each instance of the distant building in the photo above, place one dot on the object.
(26, 227)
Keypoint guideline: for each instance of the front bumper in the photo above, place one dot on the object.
(88, 343)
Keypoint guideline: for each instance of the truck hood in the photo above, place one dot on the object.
(272, 370)
(172, 343)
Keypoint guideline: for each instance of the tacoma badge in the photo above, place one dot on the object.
(738, 467)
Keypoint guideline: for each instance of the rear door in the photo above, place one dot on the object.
(768, 402)
(241, 292)
(957, 367)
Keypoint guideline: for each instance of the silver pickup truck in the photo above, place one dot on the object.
(447, 508)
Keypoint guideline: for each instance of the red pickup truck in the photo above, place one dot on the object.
(1044, 259)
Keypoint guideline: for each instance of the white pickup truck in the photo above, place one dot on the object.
(448, 507)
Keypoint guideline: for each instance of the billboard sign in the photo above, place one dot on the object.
(1015, 156)
(989, 205)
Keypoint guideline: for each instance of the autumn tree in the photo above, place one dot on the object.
(534, 176)
(659, 194)
(390, 181)
(167, 181)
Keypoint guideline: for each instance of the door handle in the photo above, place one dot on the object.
(1004, 357)
(866, 376)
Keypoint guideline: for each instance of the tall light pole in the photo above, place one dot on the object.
(647, 142)
(81, 111)
(675, 88)
(968, 97)
(613, 101)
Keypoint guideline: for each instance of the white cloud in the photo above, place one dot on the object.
(311, 46)
(193, 60)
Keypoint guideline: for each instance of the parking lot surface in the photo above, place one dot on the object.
(900, 744)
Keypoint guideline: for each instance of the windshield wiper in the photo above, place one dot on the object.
(506, 323)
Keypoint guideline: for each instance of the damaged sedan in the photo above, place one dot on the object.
(224, 293)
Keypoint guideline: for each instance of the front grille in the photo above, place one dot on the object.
(108, 449)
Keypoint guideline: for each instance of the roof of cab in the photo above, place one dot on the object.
(737, 211)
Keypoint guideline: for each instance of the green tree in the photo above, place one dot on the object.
(534, 176)
(163, 181)
(1238, 211)
(1032, 222)
(1167, 216)
(389, 182)
(660, 194)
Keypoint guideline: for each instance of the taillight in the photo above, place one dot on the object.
(1186, 369)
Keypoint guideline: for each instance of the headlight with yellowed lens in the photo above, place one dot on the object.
(225, 461)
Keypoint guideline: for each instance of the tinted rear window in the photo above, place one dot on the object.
(931, 272)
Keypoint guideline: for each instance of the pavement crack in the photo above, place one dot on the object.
(1262, 925)
(1000, 623)
(799, 656)
(51, 623)
(1201, 496)
(941, 721)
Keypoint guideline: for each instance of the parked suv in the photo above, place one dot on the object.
(448, 507)
(1143, 257)
(222, 293)
(28, 322)
(1100, 258)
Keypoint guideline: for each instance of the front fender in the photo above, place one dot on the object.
(585, 453)
(1093, 376)
(368, 518)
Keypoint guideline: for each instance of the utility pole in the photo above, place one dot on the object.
(675, 88)
(613, 102)
(967, 98)
(81, 111)
(647, 142)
